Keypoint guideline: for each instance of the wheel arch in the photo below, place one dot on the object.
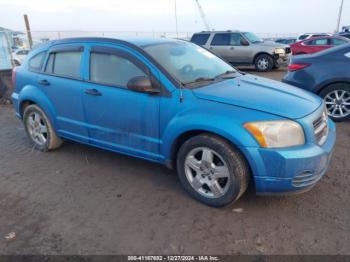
(183, 137)
(32, 95)
(321, 87)
(23, 104)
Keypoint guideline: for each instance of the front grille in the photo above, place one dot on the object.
(321, 128)
(287, 50)
(306, 178)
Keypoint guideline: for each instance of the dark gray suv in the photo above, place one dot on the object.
(243, 48)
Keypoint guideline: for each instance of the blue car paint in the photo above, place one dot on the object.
(326, 67)
(149, 127)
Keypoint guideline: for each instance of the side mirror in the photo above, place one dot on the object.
(244, 42)
(142, 84)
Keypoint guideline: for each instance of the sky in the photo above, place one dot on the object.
(260, 16)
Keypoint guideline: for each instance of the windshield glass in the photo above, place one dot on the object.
(252, 37)
(189, 63)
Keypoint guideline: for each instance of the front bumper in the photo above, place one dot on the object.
(291, 170)
(282, 59)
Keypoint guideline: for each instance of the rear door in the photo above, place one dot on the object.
(62, 84)
(118, 118)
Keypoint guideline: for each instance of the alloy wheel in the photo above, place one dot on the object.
(338, 103)
(263, 63)
(37, 128)
(207, 172)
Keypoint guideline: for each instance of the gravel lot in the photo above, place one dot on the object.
(82, 200)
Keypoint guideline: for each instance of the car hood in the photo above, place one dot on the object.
(271, 44)
(261, 94)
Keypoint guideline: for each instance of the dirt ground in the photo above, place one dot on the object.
(82, 200)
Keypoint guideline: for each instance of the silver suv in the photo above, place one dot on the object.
(243, 48)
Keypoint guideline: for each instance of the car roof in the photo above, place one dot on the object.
(136, 42)
(220, 31)
(325, 37)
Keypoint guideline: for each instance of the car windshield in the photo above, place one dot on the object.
(190, 64)
(252, 37)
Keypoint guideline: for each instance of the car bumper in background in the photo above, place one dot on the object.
(291, 170)
(282, 59)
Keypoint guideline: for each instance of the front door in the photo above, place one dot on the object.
(118, 118)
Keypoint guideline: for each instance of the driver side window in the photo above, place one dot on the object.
(111, 69)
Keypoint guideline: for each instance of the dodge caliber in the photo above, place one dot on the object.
(175, 103)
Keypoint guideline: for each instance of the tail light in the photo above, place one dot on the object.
(14, 77)
(296, 67)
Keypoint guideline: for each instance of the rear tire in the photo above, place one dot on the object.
(264, 63)
(211, 170)
(39, 129)
(337, 99)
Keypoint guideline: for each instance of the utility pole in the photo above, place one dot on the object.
(29, 33)
(176, 28)
(339, 15)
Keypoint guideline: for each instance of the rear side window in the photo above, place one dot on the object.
(319, 42)
(337, 41)
(221, 39)
(200, 39)
(64, 64)
(36, 62)
(112, 69)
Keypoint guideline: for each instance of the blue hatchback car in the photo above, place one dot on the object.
(175, 103)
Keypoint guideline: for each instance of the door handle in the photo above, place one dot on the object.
(232, 48)
(44, 82)
(93, 92)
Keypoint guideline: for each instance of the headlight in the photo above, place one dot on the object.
(272, 134)
(280, 51)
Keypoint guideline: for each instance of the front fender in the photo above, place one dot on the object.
(223, 125)
(35, 95)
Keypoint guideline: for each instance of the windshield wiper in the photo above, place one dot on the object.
(200, 79)
(228, 74)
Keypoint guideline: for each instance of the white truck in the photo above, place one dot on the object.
(5, 67)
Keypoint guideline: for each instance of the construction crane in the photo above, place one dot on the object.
(203, 16)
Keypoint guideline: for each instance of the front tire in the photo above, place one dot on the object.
(212, 171)
(264, 63)
(337, 100)
(39, 129)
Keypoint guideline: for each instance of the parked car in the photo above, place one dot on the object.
(19, 55)
(286, 41)
(317, 44)
(344, 34)
(243, 48)
(175, 103)
(310, 35)
(327, 74)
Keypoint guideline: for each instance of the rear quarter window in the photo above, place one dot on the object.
(200, 39)
(36, 62)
